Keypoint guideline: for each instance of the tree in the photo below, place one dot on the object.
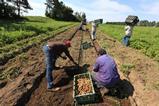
(57, 10)
(6, 10)
(153, 23)
(83, 16)
(49, 7)
(78, 16)
(21, 5)
(157, 24)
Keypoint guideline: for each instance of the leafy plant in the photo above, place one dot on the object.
(145, 39)
(13, 31)
(125, 68)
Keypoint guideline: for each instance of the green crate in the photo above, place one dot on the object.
(86, 45)
(86, 98)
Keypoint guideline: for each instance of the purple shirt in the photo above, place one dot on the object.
(106, 70)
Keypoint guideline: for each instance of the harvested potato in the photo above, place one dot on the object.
(84, 86)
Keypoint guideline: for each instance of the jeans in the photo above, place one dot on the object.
(49, 60)
(100, 84)
(97, 83)
(126, 40)
(93, 35)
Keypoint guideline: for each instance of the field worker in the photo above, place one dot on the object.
(83, 25)
(52, 51)
(128, 34)
(93, 32)
(83, 22)
(105, 73)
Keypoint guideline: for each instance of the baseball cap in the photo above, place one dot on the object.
(67, 43)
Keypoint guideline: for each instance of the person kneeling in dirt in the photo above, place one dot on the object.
(52, 51)
(105, 73)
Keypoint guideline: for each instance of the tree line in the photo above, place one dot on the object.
(13, 8)
(54, 9)
(141, 23)
(59, 11)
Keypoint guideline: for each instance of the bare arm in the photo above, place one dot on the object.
(70, 57)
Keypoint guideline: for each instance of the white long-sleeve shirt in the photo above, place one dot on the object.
(93, 26)
(128, 30)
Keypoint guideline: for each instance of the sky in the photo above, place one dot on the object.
(108, 10)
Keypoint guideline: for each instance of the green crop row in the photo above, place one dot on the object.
(145, 39)
(20, 43)
(14, 71)
(13, 31)
(17, 48)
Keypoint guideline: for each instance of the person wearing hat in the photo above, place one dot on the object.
(52, 51)
(105, 73)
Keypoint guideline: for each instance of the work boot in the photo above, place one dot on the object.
(57, 67)
(51, 87)
(54, 89)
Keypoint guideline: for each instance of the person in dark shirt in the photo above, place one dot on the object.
(52, 51)
(83, 25)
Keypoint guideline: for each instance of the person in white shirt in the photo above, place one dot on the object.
(93, 32)
(128, 34)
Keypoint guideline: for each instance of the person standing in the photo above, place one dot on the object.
(128, 34)
(83, 23)
(93, 32)
(52, 51)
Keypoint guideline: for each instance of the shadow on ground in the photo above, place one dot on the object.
(70, 71)
(122, 90)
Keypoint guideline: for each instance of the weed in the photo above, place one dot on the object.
(125, 68)
(157, 86)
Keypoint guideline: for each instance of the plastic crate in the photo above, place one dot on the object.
(98, 21)
(132, 20)
(86, 45)
(85, 98)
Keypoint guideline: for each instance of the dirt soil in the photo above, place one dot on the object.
(29, 87)
(143, 72)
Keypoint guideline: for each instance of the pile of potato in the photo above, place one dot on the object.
(84, 86)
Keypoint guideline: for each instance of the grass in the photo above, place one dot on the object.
(13, 31)
(126, 68)
(13, 50)
(145, 39)
(18, 36)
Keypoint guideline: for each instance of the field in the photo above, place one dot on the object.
(16, 37)
(13, 31)
(145, 39)
(22, 67)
